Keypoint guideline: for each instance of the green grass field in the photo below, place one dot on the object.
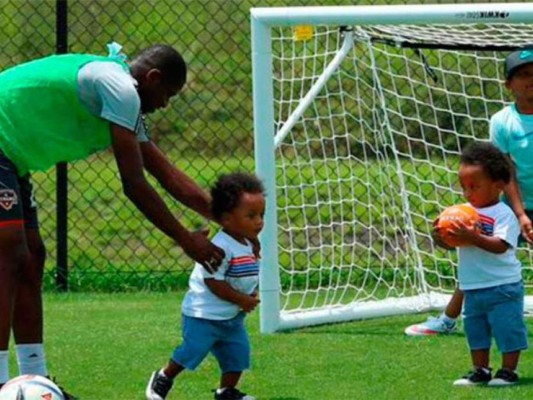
(104, 346)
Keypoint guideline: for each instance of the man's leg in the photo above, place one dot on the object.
(28, 311)
(28, 307)
(13, 252)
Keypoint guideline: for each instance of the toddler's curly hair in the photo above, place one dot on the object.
(228, 189)
(490, 158)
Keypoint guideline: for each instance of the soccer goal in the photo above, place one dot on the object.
(360, 113)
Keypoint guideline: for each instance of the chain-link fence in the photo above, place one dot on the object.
(207, 130)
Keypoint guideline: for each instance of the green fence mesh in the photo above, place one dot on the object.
(207, 130)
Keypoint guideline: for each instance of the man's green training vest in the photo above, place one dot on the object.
(42, 121)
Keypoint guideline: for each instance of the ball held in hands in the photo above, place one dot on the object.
(450, 217)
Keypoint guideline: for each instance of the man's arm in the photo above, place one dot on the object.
(499, 137)
(130, 164)
(174, 181)
(512, 192)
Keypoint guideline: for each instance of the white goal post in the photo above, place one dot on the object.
(360, 113)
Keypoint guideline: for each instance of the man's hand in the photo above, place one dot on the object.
(201, 250)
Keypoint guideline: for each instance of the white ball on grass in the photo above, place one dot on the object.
(30, 387)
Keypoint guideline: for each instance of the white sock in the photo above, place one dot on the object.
(31, 359)
(447, 319)
(4, 366)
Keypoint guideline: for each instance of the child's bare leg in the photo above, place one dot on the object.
(230, 379)
(172, 369)
(455, 305)
(510, 360)
(480, 358)
(444, 323)
(480, 373)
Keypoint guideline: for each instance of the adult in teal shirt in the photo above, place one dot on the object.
(511, 130)
(64, 108)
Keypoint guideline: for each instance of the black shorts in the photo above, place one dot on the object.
(18, 208)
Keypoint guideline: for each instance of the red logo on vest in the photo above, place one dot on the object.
(8, 198)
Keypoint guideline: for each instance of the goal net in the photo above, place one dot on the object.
(368, 124)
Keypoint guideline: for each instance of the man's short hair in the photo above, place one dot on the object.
(166, 59)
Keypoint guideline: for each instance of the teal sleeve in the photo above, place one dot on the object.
(498, 136)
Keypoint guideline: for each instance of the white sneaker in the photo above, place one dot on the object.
(158, 387)
(231, 393)
(504, 377)
(479, 376)
(433, 326)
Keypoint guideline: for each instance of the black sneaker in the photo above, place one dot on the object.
(158, 387)
(504, 377)
(478, 376)
(231, 393)
(66, 394)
